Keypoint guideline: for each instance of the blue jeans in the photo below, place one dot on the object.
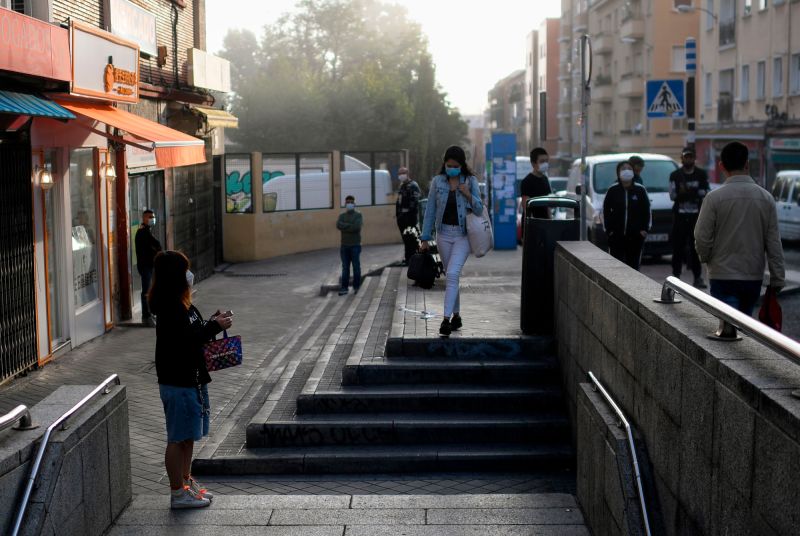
(350, 254)
(741, 295)
(454, 247)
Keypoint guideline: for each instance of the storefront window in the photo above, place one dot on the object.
(83, 201)
(54, 229)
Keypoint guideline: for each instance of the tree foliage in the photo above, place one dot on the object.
(351, 75)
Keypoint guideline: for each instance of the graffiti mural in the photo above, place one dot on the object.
(238, 184)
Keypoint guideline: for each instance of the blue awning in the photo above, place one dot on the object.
(24, 104)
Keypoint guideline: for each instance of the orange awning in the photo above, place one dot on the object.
(173, 148)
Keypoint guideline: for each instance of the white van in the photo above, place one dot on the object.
(786, 191)
(601, 173)
(279, 192)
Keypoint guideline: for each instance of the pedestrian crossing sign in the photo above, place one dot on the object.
(666, 99)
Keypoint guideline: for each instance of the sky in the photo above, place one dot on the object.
(472, 47)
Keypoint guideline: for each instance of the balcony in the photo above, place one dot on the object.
(631, 85)
(601, 142)
(603, 43)
(632, 28)
(727, 32)
(602, 90)
(581, 23)
(629, 141)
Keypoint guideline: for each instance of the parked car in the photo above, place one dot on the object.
(786, 191)
(601, 173)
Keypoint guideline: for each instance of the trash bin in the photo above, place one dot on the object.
(538, 257)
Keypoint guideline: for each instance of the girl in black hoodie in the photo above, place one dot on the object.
(181, 369)
(626, 217)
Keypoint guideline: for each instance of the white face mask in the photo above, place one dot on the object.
(626, 175)
(190, 278)
(350, 206)
(543, 167)
(153, 221)
(403, 177)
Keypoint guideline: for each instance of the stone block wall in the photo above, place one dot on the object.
(717, 419)
(84, 480)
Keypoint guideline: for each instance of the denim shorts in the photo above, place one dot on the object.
(187, 412)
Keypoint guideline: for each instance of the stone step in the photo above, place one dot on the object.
(438, 398)
(405, 429)
(458, 348)
(415, 458)
(434, 370)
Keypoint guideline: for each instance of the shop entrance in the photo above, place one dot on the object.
(146, 193)
(17, 286)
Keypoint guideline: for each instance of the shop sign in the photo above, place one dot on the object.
(139, 158)
(787, 144)
(33, 47)
(103, 66)
(129, 21)
(209, 71)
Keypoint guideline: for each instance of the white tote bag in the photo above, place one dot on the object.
(479, 233)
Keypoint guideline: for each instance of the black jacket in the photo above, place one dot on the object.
(688, 191)
(407, 204)
(534, 186)
(180, 335)
(626, 212)
(147, 246)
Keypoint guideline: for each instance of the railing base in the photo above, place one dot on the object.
(727, 332)
(21, 426)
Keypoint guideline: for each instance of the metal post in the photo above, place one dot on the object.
(586, 76)
(691, 71)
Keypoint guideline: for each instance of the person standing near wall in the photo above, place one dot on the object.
(453, 192)
(626, 217)
(736, 230)
(147, 246)
(688, 185)
(406, 211)
(349, 223)
(181, 370)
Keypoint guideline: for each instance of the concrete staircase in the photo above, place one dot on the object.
(473, 407)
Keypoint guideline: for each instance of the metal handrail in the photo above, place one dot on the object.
(19, 414)
(631, 445)
(61, 421)
(731, 319)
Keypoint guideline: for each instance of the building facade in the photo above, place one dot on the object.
(749, 84)
(532, 58)
(124, 127)
(633, 41)
(506, 111)
(545, 123)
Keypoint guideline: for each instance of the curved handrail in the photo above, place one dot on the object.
(731, 319)
(19, 414)
(43, 445)
(631, 445)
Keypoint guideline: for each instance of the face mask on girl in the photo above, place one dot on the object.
(190, 278)
(453, 171)
(626, 175)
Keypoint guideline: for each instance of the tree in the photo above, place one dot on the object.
(337, 74)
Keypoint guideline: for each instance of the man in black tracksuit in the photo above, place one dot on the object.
(626, 218)
(688, 185)
(406, 209)
(147, 246)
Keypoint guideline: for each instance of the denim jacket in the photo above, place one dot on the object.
(437, 200)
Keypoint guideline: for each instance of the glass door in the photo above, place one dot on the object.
(86, 244)
(55, 256)
(146, 193)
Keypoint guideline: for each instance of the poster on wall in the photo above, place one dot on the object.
(504, 174)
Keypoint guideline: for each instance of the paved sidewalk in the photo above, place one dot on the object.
(271, 299)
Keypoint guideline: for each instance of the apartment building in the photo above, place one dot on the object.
(749, 83)
(532, 49)
(633, 41)
(506, 112)
(544, 126)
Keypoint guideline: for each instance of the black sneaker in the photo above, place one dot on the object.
(455, 323)
(444, 329)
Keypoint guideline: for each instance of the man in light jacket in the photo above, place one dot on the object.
(736, 232)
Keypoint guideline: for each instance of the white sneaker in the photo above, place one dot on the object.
(184, 498)
(197, 488)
